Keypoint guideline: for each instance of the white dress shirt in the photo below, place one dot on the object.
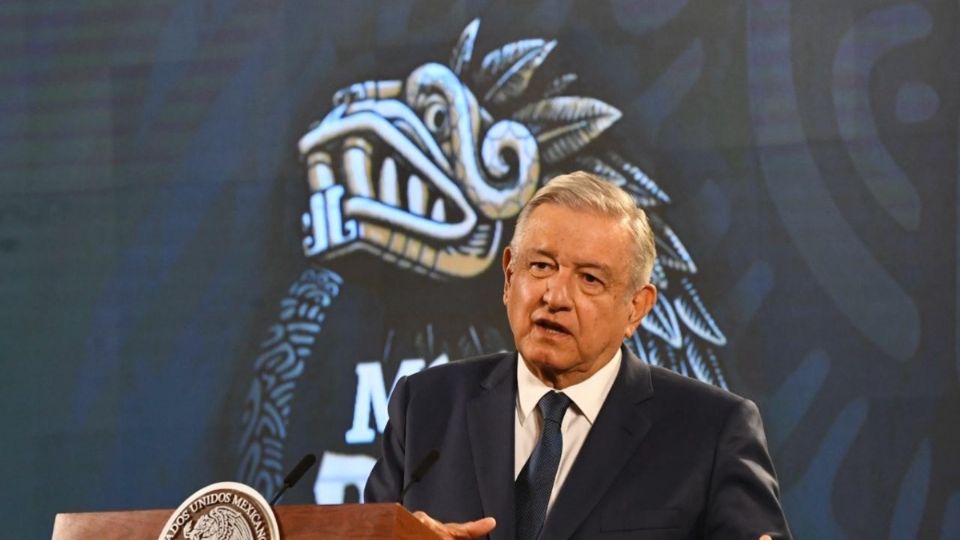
(587, 398)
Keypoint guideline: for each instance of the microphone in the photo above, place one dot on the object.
(295, 475)
(422, 469)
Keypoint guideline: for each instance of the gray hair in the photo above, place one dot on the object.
(588, 192)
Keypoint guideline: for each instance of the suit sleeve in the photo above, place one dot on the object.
(386, 479)
(744, 498)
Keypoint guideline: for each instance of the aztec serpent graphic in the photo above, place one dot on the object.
(420, 174)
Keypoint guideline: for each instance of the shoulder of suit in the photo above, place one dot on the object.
(665, 380)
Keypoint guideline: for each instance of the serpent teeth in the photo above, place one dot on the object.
(417, 196)
(388, 189)
(438, 213)
(356, 164)
(320, 173)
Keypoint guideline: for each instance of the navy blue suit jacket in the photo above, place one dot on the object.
(668, 456)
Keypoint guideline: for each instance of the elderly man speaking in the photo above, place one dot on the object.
(572, 436)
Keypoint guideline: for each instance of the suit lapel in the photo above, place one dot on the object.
(490, 418)
(614, 437)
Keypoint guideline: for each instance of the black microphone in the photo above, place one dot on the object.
(422, 469)
(295, 475)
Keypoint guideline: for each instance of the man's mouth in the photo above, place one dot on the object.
(551, 326)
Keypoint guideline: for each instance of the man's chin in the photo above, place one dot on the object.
(546, 361)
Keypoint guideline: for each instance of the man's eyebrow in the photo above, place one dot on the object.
(541, 251)
(579, 265)
(603, 268)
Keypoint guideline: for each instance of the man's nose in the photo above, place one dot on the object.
(557, 294)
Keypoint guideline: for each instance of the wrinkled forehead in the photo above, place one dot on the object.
(572, 231)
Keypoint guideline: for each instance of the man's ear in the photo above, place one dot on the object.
(641, 304)
(507, 272)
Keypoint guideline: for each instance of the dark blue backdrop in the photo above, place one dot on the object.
(161, 326)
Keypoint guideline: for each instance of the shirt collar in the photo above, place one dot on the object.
(588, 396)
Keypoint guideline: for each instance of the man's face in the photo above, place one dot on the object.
(568, 294)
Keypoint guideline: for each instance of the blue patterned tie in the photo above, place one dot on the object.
(532, 490)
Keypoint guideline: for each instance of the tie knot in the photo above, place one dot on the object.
(553, 405)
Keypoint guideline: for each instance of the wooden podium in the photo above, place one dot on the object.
(297, 522)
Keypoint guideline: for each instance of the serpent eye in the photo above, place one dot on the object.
(435, 116)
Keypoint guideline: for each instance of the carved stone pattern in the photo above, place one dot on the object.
(277, 368)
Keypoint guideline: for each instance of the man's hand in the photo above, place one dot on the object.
(457, 531)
